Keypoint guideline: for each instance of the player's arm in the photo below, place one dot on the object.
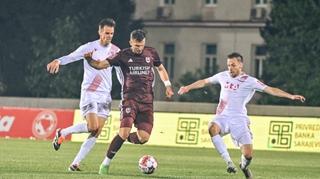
(165, 79)
(53, 66)
(96, 64)
(280, 93)
(196, 85)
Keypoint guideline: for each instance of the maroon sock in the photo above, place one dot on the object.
(115, 145)
(133, 138)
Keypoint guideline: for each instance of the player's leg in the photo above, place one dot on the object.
(243, 136)
(246, 158)
(90, 113)
(87, 146)
(62, 133)
(128, 114)
(144, 124)
(99, 119)
(114, 147)
(215, 131)
(142, 135)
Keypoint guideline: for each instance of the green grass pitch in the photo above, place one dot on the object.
(35, 159)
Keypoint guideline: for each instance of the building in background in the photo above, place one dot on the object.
(199, 34)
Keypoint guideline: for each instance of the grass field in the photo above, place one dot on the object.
(37, 159)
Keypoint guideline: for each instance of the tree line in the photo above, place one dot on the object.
(34, 32)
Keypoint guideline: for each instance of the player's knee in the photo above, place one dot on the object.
(248, 156)
(247, 151)
(214, 129)
(97, 133)
(144, 140)
(143, 136)
(92, 127)
(124, 135)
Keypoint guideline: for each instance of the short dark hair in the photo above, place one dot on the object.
(236, 55)
(107, 22)
(138, 35)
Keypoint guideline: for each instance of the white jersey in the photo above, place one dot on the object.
(235, 92)
(96, 85)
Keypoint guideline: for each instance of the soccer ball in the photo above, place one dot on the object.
(147, 164)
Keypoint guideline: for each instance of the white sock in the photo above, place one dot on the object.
(86, 146)
(221, 148)
(244, 162)
(78, 128)
(106, 161)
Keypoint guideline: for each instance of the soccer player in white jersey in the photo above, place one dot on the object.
(95, 102)
(237, 88)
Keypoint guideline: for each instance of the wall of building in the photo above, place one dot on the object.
(224, 10)
(189, 24)
(189, 41)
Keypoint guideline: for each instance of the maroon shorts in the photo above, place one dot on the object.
(139, 114)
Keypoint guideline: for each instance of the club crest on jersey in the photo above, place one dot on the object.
(128, 110)
(130, 60)
(148, 59)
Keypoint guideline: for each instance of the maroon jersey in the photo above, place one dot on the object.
(137, 76)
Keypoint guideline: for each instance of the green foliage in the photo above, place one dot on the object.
(64, 35)
(35, 32)
(293, 38)
(206, 94)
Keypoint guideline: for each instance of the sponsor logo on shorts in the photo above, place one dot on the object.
(87, 107)
(128, 110)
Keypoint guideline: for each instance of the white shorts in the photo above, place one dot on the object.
(95, 102)
(101, 109)
(237, 127)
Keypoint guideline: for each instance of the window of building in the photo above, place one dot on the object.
(210, 2)
(168, 2)
(261, 3)
(210, 58)
(260, 57)
(168, 58)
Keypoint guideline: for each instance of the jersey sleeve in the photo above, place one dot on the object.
(75, 55)
(114, 50)
(156, 60)
(115, 59)
(214, 79)
(258, 85)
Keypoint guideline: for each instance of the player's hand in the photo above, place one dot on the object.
(169, 92)
(88, 55)
(298, 97)
(183, 90)
(53, 67)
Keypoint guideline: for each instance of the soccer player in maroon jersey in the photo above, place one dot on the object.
(137, 79)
